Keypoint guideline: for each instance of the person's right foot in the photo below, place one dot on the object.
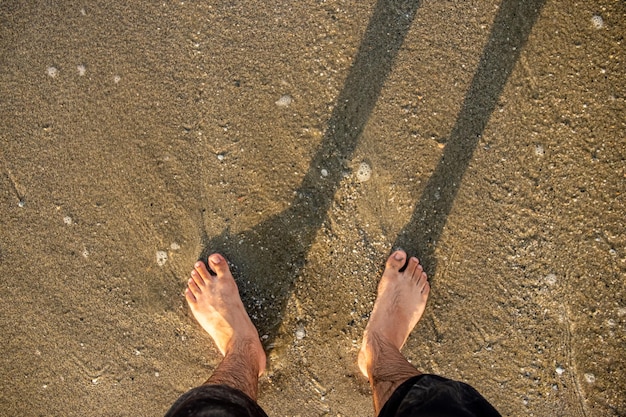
(214, 301)
(399, 305)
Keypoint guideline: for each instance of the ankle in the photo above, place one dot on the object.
(376, 342)
(250, 350)
(370, 350)
(377, 353)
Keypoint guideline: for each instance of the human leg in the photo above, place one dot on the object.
(215, 303)
(399, 305)
(399, 389)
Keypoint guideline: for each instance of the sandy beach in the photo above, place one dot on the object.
(304, 140)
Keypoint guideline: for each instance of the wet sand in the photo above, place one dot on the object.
(137, 138)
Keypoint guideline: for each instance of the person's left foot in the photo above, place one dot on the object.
(215, 302)
(399, 305)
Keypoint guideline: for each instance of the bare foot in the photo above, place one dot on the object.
(215, 302)
(399, 305)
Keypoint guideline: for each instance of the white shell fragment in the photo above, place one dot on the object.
(597, 22)
(52, 71)
(550, 279)
(539, 150)
(161, 257)
(364, 172)
(284, 101)
(300, 332)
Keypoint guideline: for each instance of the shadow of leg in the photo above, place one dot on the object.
(268, 258)
(509, 34)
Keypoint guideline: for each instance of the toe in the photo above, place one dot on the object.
(218, 264)
(197, 278)
(396, 260)
(426, 289)
(422, 280)
(411, 267)
(417, 274)
(191, 298)
(193, 287)
(202, 271)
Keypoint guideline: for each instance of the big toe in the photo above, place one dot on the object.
(218, 264)
(396, 260)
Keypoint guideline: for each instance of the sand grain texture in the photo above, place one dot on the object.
(136, 137)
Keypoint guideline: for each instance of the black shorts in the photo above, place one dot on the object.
(215, 401)
(421, 396)
(431, 395)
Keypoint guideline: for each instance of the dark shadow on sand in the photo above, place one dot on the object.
(269, 257)
(511, 28)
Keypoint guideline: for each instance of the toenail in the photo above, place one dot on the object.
(216, 259)
(398, 256)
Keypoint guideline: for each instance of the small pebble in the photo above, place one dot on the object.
(21, 203)
(67, 220)
(539, 151)
(284, 101)
(590, 378)
(81, 69)
(324, 173)
(597, 22)
(52, 71)
(220, 157)
(161, 257)
(364, 172)
(560, 370)
(300, 332)
(550, 279)
(157, 374)
(117, 79)
(174, 246)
